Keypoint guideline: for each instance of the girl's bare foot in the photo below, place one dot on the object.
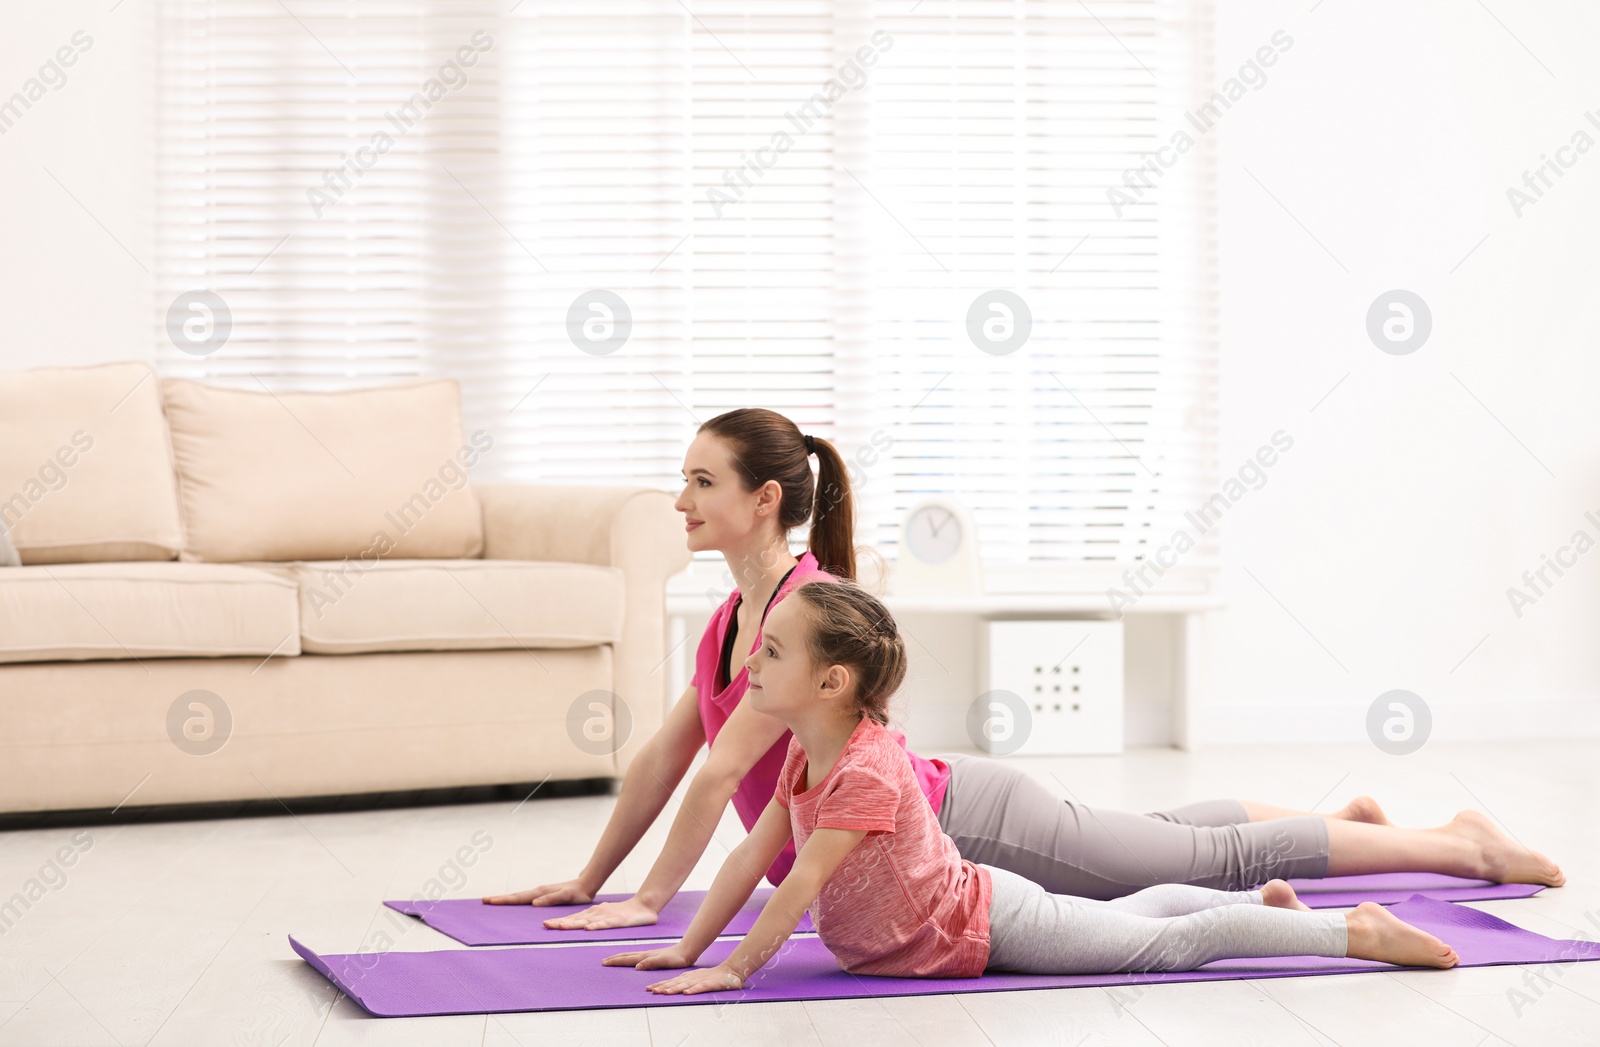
(1279, 895)
(1502, 859)
(1363, 809)
(1375, 933)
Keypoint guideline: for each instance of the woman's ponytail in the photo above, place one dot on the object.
(834, 513)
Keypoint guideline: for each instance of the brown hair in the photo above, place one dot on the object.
(850, 626)
(767, 446)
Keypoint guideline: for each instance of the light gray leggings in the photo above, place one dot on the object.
(1173, 927)
(998, 815)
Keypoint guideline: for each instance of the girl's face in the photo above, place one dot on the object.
(718, 512)
(782, 677)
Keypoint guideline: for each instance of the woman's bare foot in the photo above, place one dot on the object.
(1279, 895)
(1363, 809)
(1375, 933)
(1502, 859)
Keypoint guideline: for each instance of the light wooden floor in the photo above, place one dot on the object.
(175, 933)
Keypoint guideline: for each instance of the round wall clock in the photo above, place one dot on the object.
(938, 550)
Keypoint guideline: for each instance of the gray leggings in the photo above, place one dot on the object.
(1000, 816)
(1173, 927)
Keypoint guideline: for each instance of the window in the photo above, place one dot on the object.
(614, 221)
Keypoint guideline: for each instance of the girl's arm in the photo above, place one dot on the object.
(729, 891)
(743, 740)
(656, 770)
(813, 866)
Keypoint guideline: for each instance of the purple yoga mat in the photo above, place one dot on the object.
(1347, 892)
(483, 981)
(471, 922)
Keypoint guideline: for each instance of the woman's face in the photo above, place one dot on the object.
(718, 513)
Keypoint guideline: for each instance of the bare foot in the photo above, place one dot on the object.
(1279, 895)
(1375, 933)
(1503, 859)
(1363, 809)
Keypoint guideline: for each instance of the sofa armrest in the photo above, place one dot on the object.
(632, 528)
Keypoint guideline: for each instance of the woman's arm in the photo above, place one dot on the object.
(743, 740)
(813, 866)
(656, 770)
(735, 881)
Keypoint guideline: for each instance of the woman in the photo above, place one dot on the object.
(748, 482)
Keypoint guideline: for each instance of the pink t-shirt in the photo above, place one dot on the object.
(756, 788)
(903, 902)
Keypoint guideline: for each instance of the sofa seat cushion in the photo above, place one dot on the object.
(353, 607)
(76, 612)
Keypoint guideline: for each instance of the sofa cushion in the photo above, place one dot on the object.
(322, 476)
(8, 552)
(145, 610)
(85, 466)
(352, 607)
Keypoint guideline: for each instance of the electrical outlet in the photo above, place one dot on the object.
(1066, 676)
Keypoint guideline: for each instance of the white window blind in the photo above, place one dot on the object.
(334, 270)
(998, 128)
(796, 203)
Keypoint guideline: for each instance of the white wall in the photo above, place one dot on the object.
(1389, 533)
(1394, 527)
(69, 294)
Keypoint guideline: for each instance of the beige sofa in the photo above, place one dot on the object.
(231, 594)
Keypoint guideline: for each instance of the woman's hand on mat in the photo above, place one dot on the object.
(705, 979)
(630, 913)
(572, 892)
(672, 956)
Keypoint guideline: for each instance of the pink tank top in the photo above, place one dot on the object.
(756, 788)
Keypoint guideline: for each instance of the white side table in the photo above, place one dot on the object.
(690, 595)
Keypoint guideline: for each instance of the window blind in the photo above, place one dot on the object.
(618, 221)
(1000, 129)
(302, 178)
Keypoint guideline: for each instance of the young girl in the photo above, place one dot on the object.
(888, 892)
(747, 484)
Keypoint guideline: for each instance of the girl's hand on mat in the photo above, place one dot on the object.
(631, 913)
(706, 979)
(571, 892)
(672, 956)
